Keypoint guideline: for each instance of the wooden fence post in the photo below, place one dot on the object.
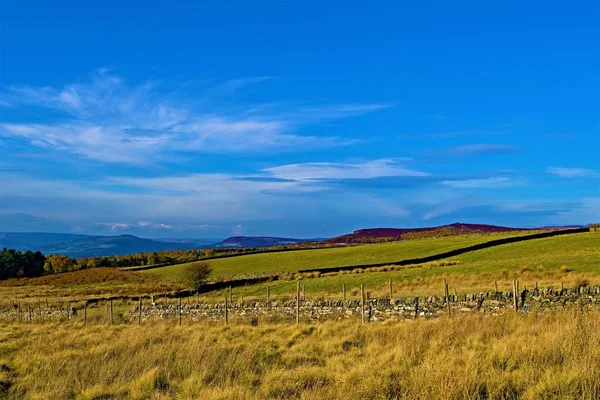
(140, 311)
(226, 312)
(362, 302)
(297, 302)
(417, 307)
(68, 311)
(390, 284)
(268, 294)
(447, 294)
(496, 287)
(111, 311)
(47, 306)
(180, 311)
(515, 296)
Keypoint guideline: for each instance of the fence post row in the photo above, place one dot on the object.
(366, 314)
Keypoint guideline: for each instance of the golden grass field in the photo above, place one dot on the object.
(553, 355)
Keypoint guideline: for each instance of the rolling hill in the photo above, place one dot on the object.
(395, 234)
(75, 246)
(261, 241)
(548, 261)
(287, 261)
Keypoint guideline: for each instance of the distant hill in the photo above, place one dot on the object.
(24, 241)
(76, 246)
(394, 234)
(261, 241)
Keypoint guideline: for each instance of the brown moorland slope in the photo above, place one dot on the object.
(394, 234)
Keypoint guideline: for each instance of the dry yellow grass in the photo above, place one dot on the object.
(551, 355)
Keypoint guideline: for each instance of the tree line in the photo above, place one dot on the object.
(17, 264)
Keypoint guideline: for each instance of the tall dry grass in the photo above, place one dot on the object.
(550, 355)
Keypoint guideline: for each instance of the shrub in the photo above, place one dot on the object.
(196, 274)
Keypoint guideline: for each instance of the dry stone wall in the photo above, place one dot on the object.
(379, 309)
(374, 309)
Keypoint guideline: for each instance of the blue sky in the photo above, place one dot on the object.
(305, 119)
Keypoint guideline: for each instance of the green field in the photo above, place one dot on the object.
(550, 261)
(291, 261)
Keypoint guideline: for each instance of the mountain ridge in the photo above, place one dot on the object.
(370, 235)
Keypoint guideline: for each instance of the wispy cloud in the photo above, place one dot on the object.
(107, 119)
(478, 149)
(385, 167)
(485, 183)
(564, 172)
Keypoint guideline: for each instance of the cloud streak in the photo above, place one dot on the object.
(564, 172)
(478, 149)
(385, 167)
(107, 119)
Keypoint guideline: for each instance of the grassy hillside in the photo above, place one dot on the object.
(549, 261)
(468, 357)
(87, 283)
(332, 257)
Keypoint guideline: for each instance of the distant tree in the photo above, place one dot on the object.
(59, 263)
(196, 274)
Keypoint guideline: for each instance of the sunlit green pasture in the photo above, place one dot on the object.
(291, 261)
(550, 261)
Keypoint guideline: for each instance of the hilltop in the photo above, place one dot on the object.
(395, 234)
(76, 246)
(261, 241)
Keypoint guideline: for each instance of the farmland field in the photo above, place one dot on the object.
(332, 257)
(548, 261)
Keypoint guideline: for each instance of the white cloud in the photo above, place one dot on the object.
(572, 172)
(485, 183)
(330, 171)
(112, 121)
(479, 149)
